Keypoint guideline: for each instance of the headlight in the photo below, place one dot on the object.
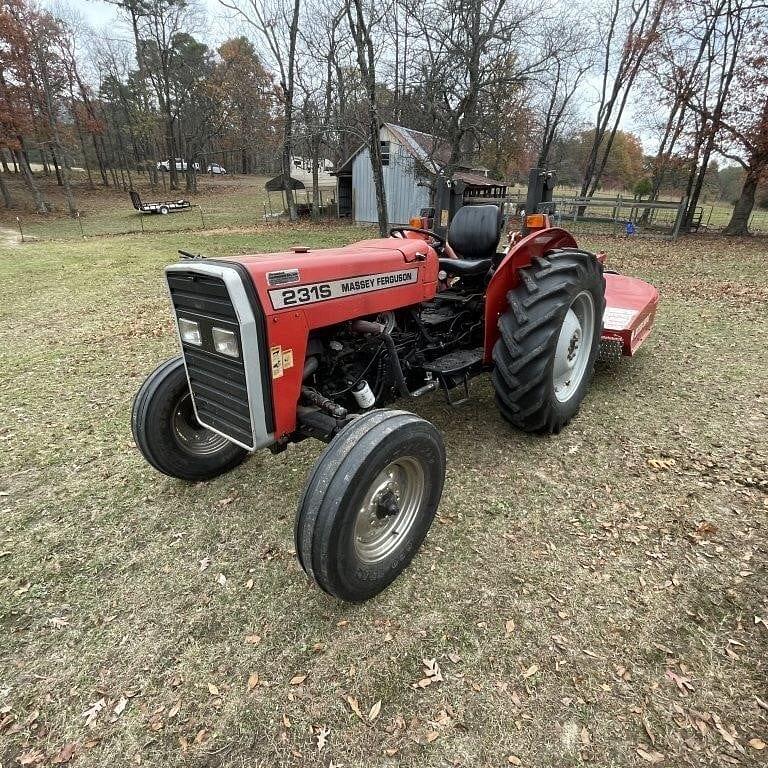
(189, 330)
(225, 342)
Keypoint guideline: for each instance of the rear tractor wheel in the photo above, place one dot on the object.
(369, 502)
(168, 433)
(549, 340)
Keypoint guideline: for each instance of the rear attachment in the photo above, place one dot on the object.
(630, 309)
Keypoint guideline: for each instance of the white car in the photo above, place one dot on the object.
(216, 168)
(181, 165)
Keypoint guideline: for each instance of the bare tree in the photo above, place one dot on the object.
(467, 52)
(632, 27)
(361, 22)
(557, 87)
(156, 23)
(276, 22)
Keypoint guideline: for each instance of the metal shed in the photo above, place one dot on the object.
(411, 160)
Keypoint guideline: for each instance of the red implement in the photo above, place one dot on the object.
(630, 308)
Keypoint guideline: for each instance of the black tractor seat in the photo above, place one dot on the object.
(466, 267)
(475, 231)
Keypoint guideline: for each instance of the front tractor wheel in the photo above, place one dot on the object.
(549, 340)
(369, 502)
(168, 433)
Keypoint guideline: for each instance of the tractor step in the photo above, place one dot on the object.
(455, 369)
(456, 363)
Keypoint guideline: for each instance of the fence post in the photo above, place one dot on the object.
(80, 222)
(141, 222)
(21, 231)
(202, 217)
(679, 218)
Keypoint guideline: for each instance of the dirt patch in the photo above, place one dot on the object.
(9, 237)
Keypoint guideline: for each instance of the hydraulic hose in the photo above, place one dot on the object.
(377, 329)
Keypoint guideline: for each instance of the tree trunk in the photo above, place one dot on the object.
(170, 142)
(29, 180)
(367, 62)
(5, 192)
(100, 161)
(739, 223)
(315, 180)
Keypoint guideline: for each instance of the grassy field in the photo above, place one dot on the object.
(234, 201)
(220, 202)
(595, 598)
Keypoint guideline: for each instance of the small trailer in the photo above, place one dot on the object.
(161, 207)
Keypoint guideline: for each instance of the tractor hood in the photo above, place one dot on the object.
(358, 275)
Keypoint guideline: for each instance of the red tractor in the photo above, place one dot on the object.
(279, 347)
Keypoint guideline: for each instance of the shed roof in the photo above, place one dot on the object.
(301, 179)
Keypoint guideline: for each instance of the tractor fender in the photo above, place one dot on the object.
(506, 276)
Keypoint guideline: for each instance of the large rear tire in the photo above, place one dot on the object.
(168, 434)
(369, 502)
(549, 339)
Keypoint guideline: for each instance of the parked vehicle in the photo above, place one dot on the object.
(163, 206)
(279, 347)
(216, 169)
(181, 165)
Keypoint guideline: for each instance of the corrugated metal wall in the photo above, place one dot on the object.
(404, 197)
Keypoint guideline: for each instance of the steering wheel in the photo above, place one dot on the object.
(398, 232)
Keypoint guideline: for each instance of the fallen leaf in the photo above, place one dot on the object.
(509, 626)
(252, 639)
(286, 720)
(118, 709)
(174, 710)
(297, 680)
(756, 743)
(222, 580)
(454, 657)
(31, 757)
(727, 735)
(374, 713)
(58, 622)
(354, 705)
(322, 737)
(65, 754)
(253, 681)
(683, 683)
(204, 563)
(514, 760)
(249, 584)
(432, 670)
(431, 736)
(92, 712)
(213, 690)
(532, 670)
(586, 739)
(652, 756)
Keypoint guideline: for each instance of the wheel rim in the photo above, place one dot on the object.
(574, 346)
(189, 434)
(389, 509)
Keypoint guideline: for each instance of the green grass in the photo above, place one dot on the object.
(614, 571)
(230, 202)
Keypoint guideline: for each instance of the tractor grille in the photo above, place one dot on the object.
(218, 382)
